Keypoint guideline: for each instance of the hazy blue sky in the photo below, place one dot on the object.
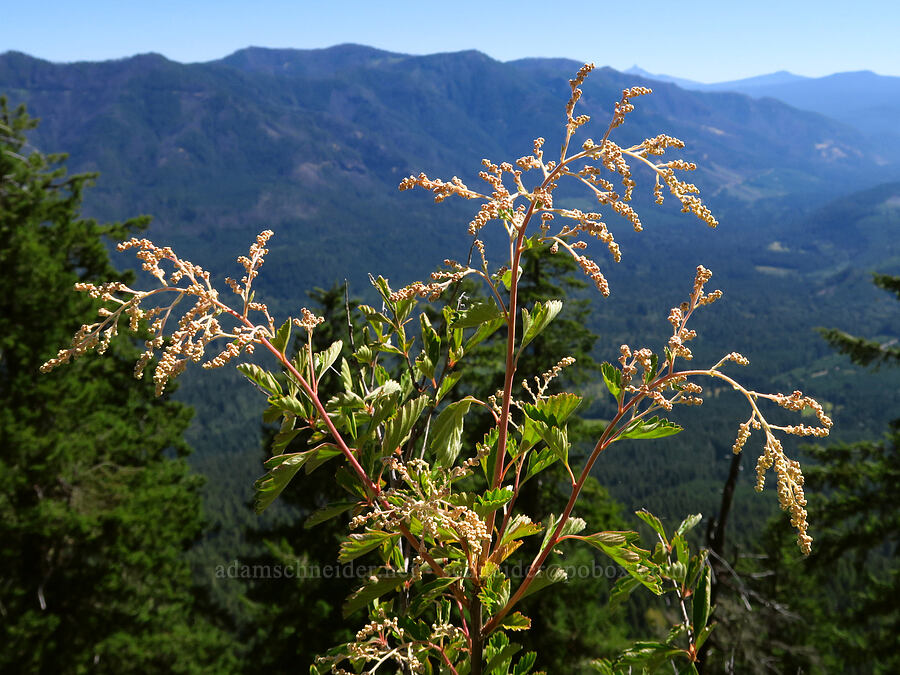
(706, 40)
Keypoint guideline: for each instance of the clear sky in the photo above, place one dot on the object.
(706, 40)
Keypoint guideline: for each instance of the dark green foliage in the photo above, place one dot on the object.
(97, 505)
(836, 610)
(293, 620)
(865, 352)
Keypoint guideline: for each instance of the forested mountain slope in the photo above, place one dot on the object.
(313, 143)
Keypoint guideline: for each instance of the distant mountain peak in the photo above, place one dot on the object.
(680, 81)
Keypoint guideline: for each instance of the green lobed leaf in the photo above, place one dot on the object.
(612, 378)
(649, 655)
(360, 544)
(506, 278)
(282, 468)
(503, 657)
(372, 591)
(260, 377)
(291, 404)
(383, 405)
(484, 331)
(689, 523)
(373, 316)
(655, 427)
(525, 663)
(492, 500)
(476, 315)
(447, 384)
(516, 621)
(534, 322)
(571, 526)
(519, 526)
(427, 592)
(559, 407)
(396, 429)
(653, 522)
(538, 461)
(322, 453)
(622, 589)
(326, 358)
(446, 440)
(544, 578)
(282, 336)
(346, 375)
(431, 339)
(634, 560)
(328, 512)
(702, 634)
(282, 439)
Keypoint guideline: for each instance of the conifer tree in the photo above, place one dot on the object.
(97, 504)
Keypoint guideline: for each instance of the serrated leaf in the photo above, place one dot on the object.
(648, 655)
(503, 656)
(428, 592)
(538, 461)
(682, 553)
(364, 354)
(447, 384)
(525, 664)
(545, 578)
(634, 560)
(430, 339)
(290, 404)
(328, 512)
(612, 378)
(372, 591)
(689, 523)
(360, 544)
(623, 588)
(282, 336)
(571, 526)
(282, 468)
(559, 406)
(492, 500)
(373, 316)
(655, 427)
(520, 526)
(612, 538)
(446, 441)
(487, 450)
(282, 439)
(654, 523)
(494, 592)
(326, 358)
(396, 429)
(322, 453)
(516, 621)
(346, 375)
(260, 377)
(534, 322)
(484, 331)
(384, 290)
(476, 315)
